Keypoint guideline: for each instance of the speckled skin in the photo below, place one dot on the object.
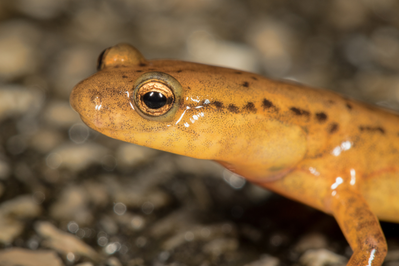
(314, 146)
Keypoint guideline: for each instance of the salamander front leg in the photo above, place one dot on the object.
(360, 227)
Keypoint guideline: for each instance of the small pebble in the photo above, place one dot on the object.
(265, 260)
(113, 261)
(276, 43)
(63, 242)
(60, 114)
(220, 246)
(41, 9)
(16, 100)
(321, 257)
(311, 241)
(45, 140)
(72, 205)
(26, 257)
(130, 156)
(134, 195)
(85, 264)
(4, 169)
(204, 48)
(19, 54)
(78, 157)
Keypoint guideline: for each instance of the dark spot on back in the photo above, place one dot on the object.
(250, 106)
(188, 88)
(143, 64)
(266, 104)
(333, 128)
(218, 105)
(298, 111)
(349, 106)
(372, 129)
(232, 108)
(138, 71)
(238, 72)
(321, 117)
(254, 78)
(178, 71)
(124, 76)
(331, 101)
(245, 84)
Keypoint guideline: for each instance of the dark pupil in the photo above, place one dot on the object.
(154, 100)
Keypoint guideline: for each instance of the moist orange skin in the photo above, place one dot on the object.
(314, 146)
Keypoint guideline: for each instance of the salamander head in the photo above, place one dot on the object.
(136, 100)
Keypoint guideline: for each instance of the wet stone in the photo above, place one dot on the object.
(19, 54)
(130, 156)
(265, 260)
(63, 242)
(113, 261)
(311, 241)
(4, 170)
(320, 257)
(26, 257)
(72, 65)
(16, 100)
(72, 205)
(78, 157)
(41, 9)
(134, 195)
(59, 113)
(220, 246)
(45, 140)
(13, 216)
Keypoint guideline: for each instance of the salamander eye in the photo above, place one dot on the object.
(154, 98)
(157, 96)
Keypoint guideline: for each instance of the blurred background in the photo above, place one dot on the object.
(70, 196)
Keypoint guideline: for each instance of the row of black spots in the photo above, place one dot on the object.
(249, 107)
(139, 71)
(124, 76)
(245, 84)
(372, 129)
(178, 71)
(300, 112)
(254, 78)
(142, 64)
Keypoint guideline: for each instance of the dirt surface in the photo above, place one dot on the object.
(70, 196)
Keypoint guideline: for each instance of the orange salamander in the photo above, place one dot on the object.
(314, 146)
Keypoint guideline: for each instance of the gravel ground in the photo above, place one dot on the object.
(69, 196)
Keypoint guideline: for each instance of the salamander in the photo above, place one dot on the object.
(337, 155)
